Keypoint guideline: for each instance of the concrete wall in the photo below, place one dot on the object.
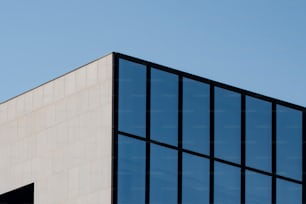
(59, 136)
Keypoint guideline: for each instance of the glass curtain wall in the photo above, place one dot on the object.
(183, 139)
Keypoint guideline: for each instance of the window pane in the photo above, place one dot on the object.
(227, 184)
(164, 106)
(163, 175)
(195, 179)
(132, 98)
(258, 188)
(196, 116)
(258, 133)
(131, 170)
(227, 125)
(288, 192)
(289, 142)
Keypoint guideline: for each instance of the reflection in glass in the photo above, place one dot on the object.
(258, 134)
(289, 142)
(195, 179)
(196, 116)
(227, 125)
(227, 184)
(164, 107)
(132, 98)
(258, 188)
(288, 192)
(131, 170)
(163, 175)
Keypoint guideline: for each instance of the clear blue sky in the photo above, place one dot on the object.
(258, 45)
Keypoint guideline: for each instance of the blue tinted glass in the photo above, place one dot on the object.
(258, 188)
(258, 133)
(195, 179)
(227, 125)
(163, 175)
(227, 184)
(164, 106)
(289, 142)
(288, 192)
(132, 98)
(196, 116)
(131, 170)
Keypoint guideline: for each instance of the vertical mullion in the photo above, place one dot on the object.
(304, 155)
(115, 67)
(180, 139)
(274, 139)
(148, 133)
(212, 147)
(243, 152)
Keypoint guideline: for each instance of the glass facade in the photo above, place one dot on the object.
(258, 134)
(195, 181)
(184, 139)
(131, 170)
(164, 107)
(227, 125)
(196, 106)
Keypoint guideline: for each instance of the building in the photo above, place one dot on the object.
(127, 131)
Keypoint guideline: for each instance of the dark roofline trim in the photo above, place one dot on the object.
(211, 82)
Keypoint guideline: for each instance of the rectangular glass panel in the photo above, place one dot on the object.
(195, 179)
(132, 98)
(131, 170)
(258, 134)
(258, 188)
(227, 184)
(163, 175)
(164, 107)
(227, 125)
(288, 192)
(196, 116)
(289, 142)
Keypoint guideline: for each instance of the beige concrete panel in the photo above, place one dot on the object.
(37, 98)
(105, 92)
(95, 96)
(70, 83)
(59, 136)
(20, 106)
(22, 173)
(48, 116)
(23, 150)
(3, 113)
(48, 92)
(59, 88)
(105, 68)
(97, 197)
(80, 75)
(73, 130)
(28, 102)
(73, 183)
(11, 110)
(60, 111)
(5, 155)
(42, 166)
(92, 73)
(22, 129)
(58, 188)
(8, 133)
(41, 192)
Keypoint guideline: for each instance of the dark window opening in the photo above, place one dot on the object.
(23, 195)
